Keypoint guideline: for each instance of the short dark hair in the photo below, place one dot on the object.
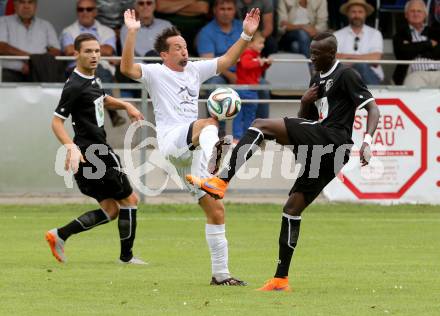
(219, 2)
(84, 37)
(327, 35)
(161, 44)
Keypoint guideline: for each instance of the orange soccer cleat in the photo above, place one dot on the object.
(214, 186)
(56, 245)
(276, 284)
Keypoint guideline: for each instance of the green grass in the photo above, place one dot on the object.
(350, 260)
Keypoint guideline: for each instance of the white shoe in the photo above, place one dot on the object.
(56, 245)
(134, 260)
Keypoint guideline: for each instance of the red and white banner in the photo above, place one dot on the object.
(405, 167)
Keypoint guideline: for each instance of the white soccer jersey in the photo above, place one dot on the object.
(175, 94)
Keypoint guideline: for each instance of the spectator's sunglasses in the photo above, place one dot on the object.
(82, 9)
(147, 3)
(356, 43)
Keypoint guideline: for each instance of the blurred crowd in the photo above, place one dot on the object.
(210, 27)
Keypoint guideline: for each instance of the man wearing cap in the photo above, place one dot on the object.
(359, 41)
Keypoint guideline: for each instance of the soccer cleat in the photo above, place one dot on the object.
(220, 148)
(214, 186)
(134, 260)
(56, 245)
(276, 284)
(228, 282)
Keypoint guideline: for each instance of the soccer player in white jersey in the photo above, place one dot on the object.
(174, 89)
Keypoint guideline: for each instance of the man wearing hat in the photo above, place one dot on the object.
(360, 41)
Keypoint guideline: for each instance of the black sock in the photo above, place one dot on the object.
(85, 222)
(247, 146)
(127, 231)
(288, 238)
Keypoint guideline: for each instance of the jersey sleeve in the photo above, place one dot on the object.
(206, 68)
(68, 97)
(355, 88)
(147, 73)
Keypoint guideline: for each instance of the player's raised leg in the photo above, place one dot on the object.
(217, 243)
(248, 145)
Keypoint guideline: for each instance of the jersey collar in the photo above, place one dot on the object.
(328, 73)
(83, 75)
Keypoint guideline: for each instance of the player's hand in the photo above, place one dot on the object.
(130, 20)
(73, 158)
(134, 113)
(311, 94)
(365, 154)
(251, 21)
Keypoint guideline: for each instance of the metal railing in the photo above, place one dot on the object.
(276, 60)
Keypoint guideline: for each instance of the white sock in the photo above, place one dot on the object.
(207, 140)
(218, 247)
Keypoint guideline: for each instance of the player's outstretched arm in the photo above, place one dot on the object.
(73, 156)
(128, 67)
(372, 121)
(250, 26)
(116, 104)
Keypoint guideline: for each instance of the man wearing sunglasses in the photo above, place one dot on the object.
(86, 23)
(360, 41)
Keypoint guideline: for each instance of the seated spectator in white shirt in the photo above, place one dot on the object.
(23, 34)
(417, 41)
(299, 22)
(360, 41)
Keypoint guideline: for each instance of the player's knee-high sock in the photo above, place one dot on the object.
(288, 238)
(85, 222)
(207, 140)
(127, 231)
(218, 247)
(247, 146)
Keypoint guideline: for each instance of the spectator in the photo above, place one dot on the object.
(299, 21)
(417, 41)
(23, 34)
(216, 37)
(189, 16)
(86, 23)
(360, 41)
(249, 71)
(151, 27)
(266, 23)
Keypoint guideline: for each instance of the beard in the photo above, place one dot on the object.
(357, 22)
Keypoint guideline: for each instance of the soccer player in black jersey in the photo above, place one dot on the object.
(96, 167)
(325, 120)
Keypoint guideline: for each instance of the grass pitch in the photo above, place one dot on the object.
(350, 260)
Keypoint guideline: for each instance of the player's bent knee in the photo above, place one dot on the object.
(289, 210)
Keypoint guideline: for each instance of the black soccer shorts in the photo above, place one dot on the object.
(309, 133)
(113, 185)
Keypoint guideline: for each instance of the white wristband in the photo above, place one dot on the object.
(368, 139)
(246, 37)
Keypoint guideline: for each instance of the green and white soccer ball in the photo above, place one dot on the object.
(224, 104)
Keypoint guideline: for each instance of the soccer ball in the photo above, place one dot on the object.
(224, 104)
